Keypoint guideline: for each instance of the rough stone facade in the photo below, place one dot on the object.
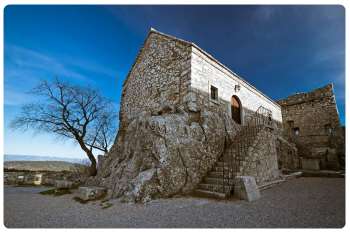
(158, 80)
(311, 121)
(174, 127)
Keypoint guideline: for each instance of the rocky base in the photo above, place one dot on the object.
(164, 155)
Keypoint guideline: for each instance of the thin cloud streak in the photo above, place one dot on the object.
(23, 58)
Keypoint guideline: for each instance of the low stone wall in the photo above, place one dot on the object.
(261, 160)
(12, 177)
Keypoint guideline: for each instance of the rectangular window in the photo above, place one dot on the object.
(213, 93)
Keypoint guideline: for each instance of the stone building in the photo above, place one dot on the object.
(311, 121)
(189, 124)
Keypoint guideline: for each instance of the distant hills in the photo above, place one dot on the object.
(41, 158)
(54, 166)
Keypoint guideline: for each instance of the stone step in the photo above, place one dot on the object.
(215, 187)
(227, 169)
(210, 194)
(220, 169)
(215, 180)
(215, 174)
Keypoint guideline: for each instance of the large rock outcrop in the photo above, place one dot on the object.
(164, 155)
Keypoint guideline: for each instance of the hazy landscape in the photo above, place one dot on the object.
(8, 157)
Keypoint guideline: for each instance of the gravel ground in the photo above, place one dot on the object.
(300, 203)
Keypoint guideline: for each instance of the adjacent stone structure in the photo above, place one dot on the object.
(311, 121)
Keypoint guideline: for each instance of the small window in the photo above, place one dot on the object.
(213, 93)
(296, 131)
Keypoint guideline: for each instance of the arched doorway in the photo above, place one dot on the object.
(236, 109)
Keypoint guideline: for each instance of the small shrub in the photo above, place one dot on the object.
(106, 205)
(56, 192)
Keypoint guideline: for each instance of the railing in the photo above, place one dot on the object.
(237, 151)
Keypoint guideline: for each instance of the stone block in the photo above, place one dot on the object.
(88, 193)
(245, 188)
(310, 164)
(63, 184)
(38, 178)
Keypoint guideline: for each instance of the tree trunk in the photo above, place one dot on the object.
(92, 168)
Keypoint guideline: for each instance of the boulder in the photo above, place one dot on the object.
(245, 188)
(91, 193)
(163, 155)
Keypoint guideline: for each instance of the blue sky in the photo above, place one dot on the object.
(279, 49)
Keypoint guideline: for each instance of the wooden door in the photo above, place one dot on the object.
(236, 109)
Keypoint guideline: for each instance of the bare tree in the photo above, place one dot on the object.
(73, 112)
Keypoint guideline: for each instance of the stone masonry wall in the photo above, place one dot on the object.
(311, 120)
(206, 72)
(159, 78)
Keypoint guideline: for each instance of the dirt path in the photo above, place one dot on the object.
(304, 202)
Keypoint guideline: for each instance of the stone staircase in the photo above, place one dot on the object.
(213, 184)
(219, 182)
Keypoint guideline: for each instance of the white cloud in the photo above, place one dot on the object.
(92, 67)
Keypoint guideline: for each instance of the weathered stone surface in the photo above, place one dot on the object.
(91, 193)
(245, 188)
(310, 164)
